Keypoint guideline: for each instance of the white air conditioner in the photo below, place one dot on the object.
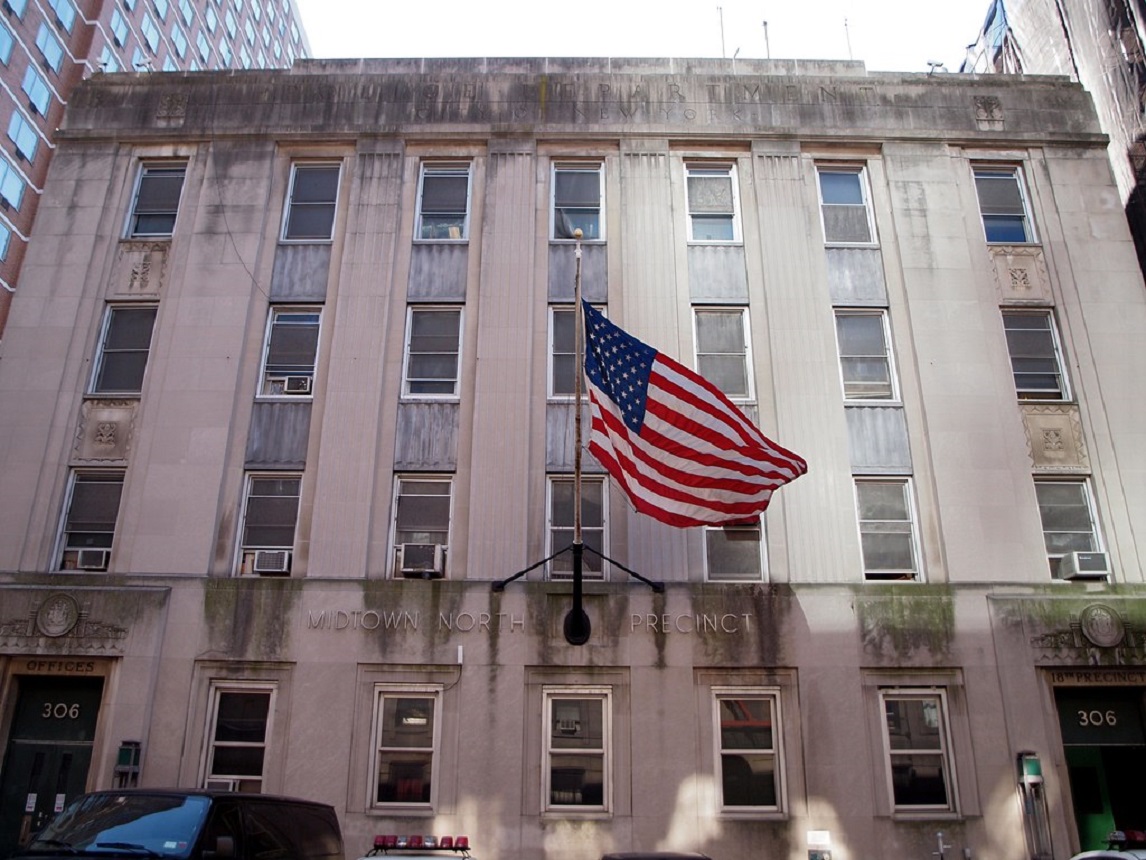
(214, 784)
(421, 560)
(272, 561)
(1083, 565)
(92, 559)
(296, 385)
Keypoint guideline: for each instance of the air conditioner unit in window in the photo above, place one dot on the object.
(420, 560)
(296, 385)
(92, 559)
(214, 784)
(1083, 565)
(272, 561)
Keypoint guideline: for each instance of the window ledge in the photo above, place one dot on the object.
(926, 815)
(406, 811)
(586, 815)
(764, 815)
(329, 241)
(441, 241)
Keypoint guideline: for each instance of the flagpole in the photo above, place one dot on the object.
(577, 626)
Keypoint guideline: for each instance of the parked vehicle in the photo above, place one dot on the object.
(189, 825)
(1121, 845)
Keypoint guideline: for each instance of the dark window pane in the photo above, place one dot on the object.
(242, 717)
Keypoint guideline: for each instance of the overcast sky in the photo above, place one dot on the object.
(888, 35)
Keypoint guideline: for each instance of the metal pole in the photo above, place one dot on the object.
(577, 626)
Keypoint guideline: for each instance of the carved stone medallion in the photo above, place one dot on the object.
(1101, 625)
(57, 615)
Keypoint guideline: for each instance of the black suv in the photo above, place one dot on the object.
(188, 825)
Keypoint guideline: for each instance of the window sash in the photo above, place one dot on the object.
(577, 196)
(407, 740)
(577, 763)
(422, 510)
(1003, 206)
(915, 731)
(734, 553)
(887, 529)
(291, 348)
(312, 203)
(749, 761)
(722, 351)
(157, 199)
(270, 515)
(91, 515)
(1068, 520)
(443, 203)
(433, 352)
(124, 350)
(865, 355)
(713, 207)
(560, 526)
(847, 217)
(238, 732)
(1036, 358)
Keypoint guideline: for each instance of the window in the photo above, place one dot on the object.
(123, 350)
(50, 48)
(17, 6)
(722, 354)
(433, 344)
(734, 553)
(6, 42)
(713, 206)
(406, 736)
(865, 358)
(847, 217)
(311, 204)
(577, 201)
(187, 11)
(249, 30)
(23, 134)
(1069, 523)
(89, 524)
(139, 61)
(443, 202)
(291, 352)
(65, 13)
(129, 5)
(577, 749)
(11, 183)
(562, 351)
(119, 28)
(156, 199)
(161, 7)
(36, 89)
(212, 18)
(5, 240)
(238, 727)
(560, 529)
(150, 32)
(270, 516)
(1003, 205)
(748, 749)
(887, 529)
(204, 46)
(1036, 358)
(918, 749)
(244, 57)
(422, 525)
(108, 62)
(230, 23)
(179, 40)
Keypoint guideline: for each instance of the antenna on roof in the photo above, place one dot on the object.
(767, 47)
(720, 12)
(848, 39)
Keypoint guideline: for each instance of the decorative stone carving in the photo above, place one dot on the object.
(1020, 274)
(105, 432)
(139, 269)
(172, 110)
(989, 113)
(59, 624)
(1054, 437)
(1097, 635)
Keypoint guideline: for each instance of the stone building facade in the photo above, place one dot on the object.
(270, 465)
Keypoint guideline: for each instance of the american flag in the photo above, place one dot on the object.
(680, 449)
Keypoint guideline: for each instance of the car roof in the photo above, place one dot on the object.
(1112, 854)
(202, 792)
(655, 855)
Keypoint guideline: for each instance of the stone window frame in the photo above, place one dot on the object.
(388, 690)
(860, 171)
(106, 349)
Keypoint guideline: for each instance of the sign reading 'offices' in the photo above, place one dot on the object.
(398, 620)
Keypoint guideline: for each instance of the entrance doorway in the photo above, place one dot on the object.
(1104, 738)
(48, 754)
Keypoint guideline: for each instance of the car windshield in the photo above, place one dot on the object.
(150, 825)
